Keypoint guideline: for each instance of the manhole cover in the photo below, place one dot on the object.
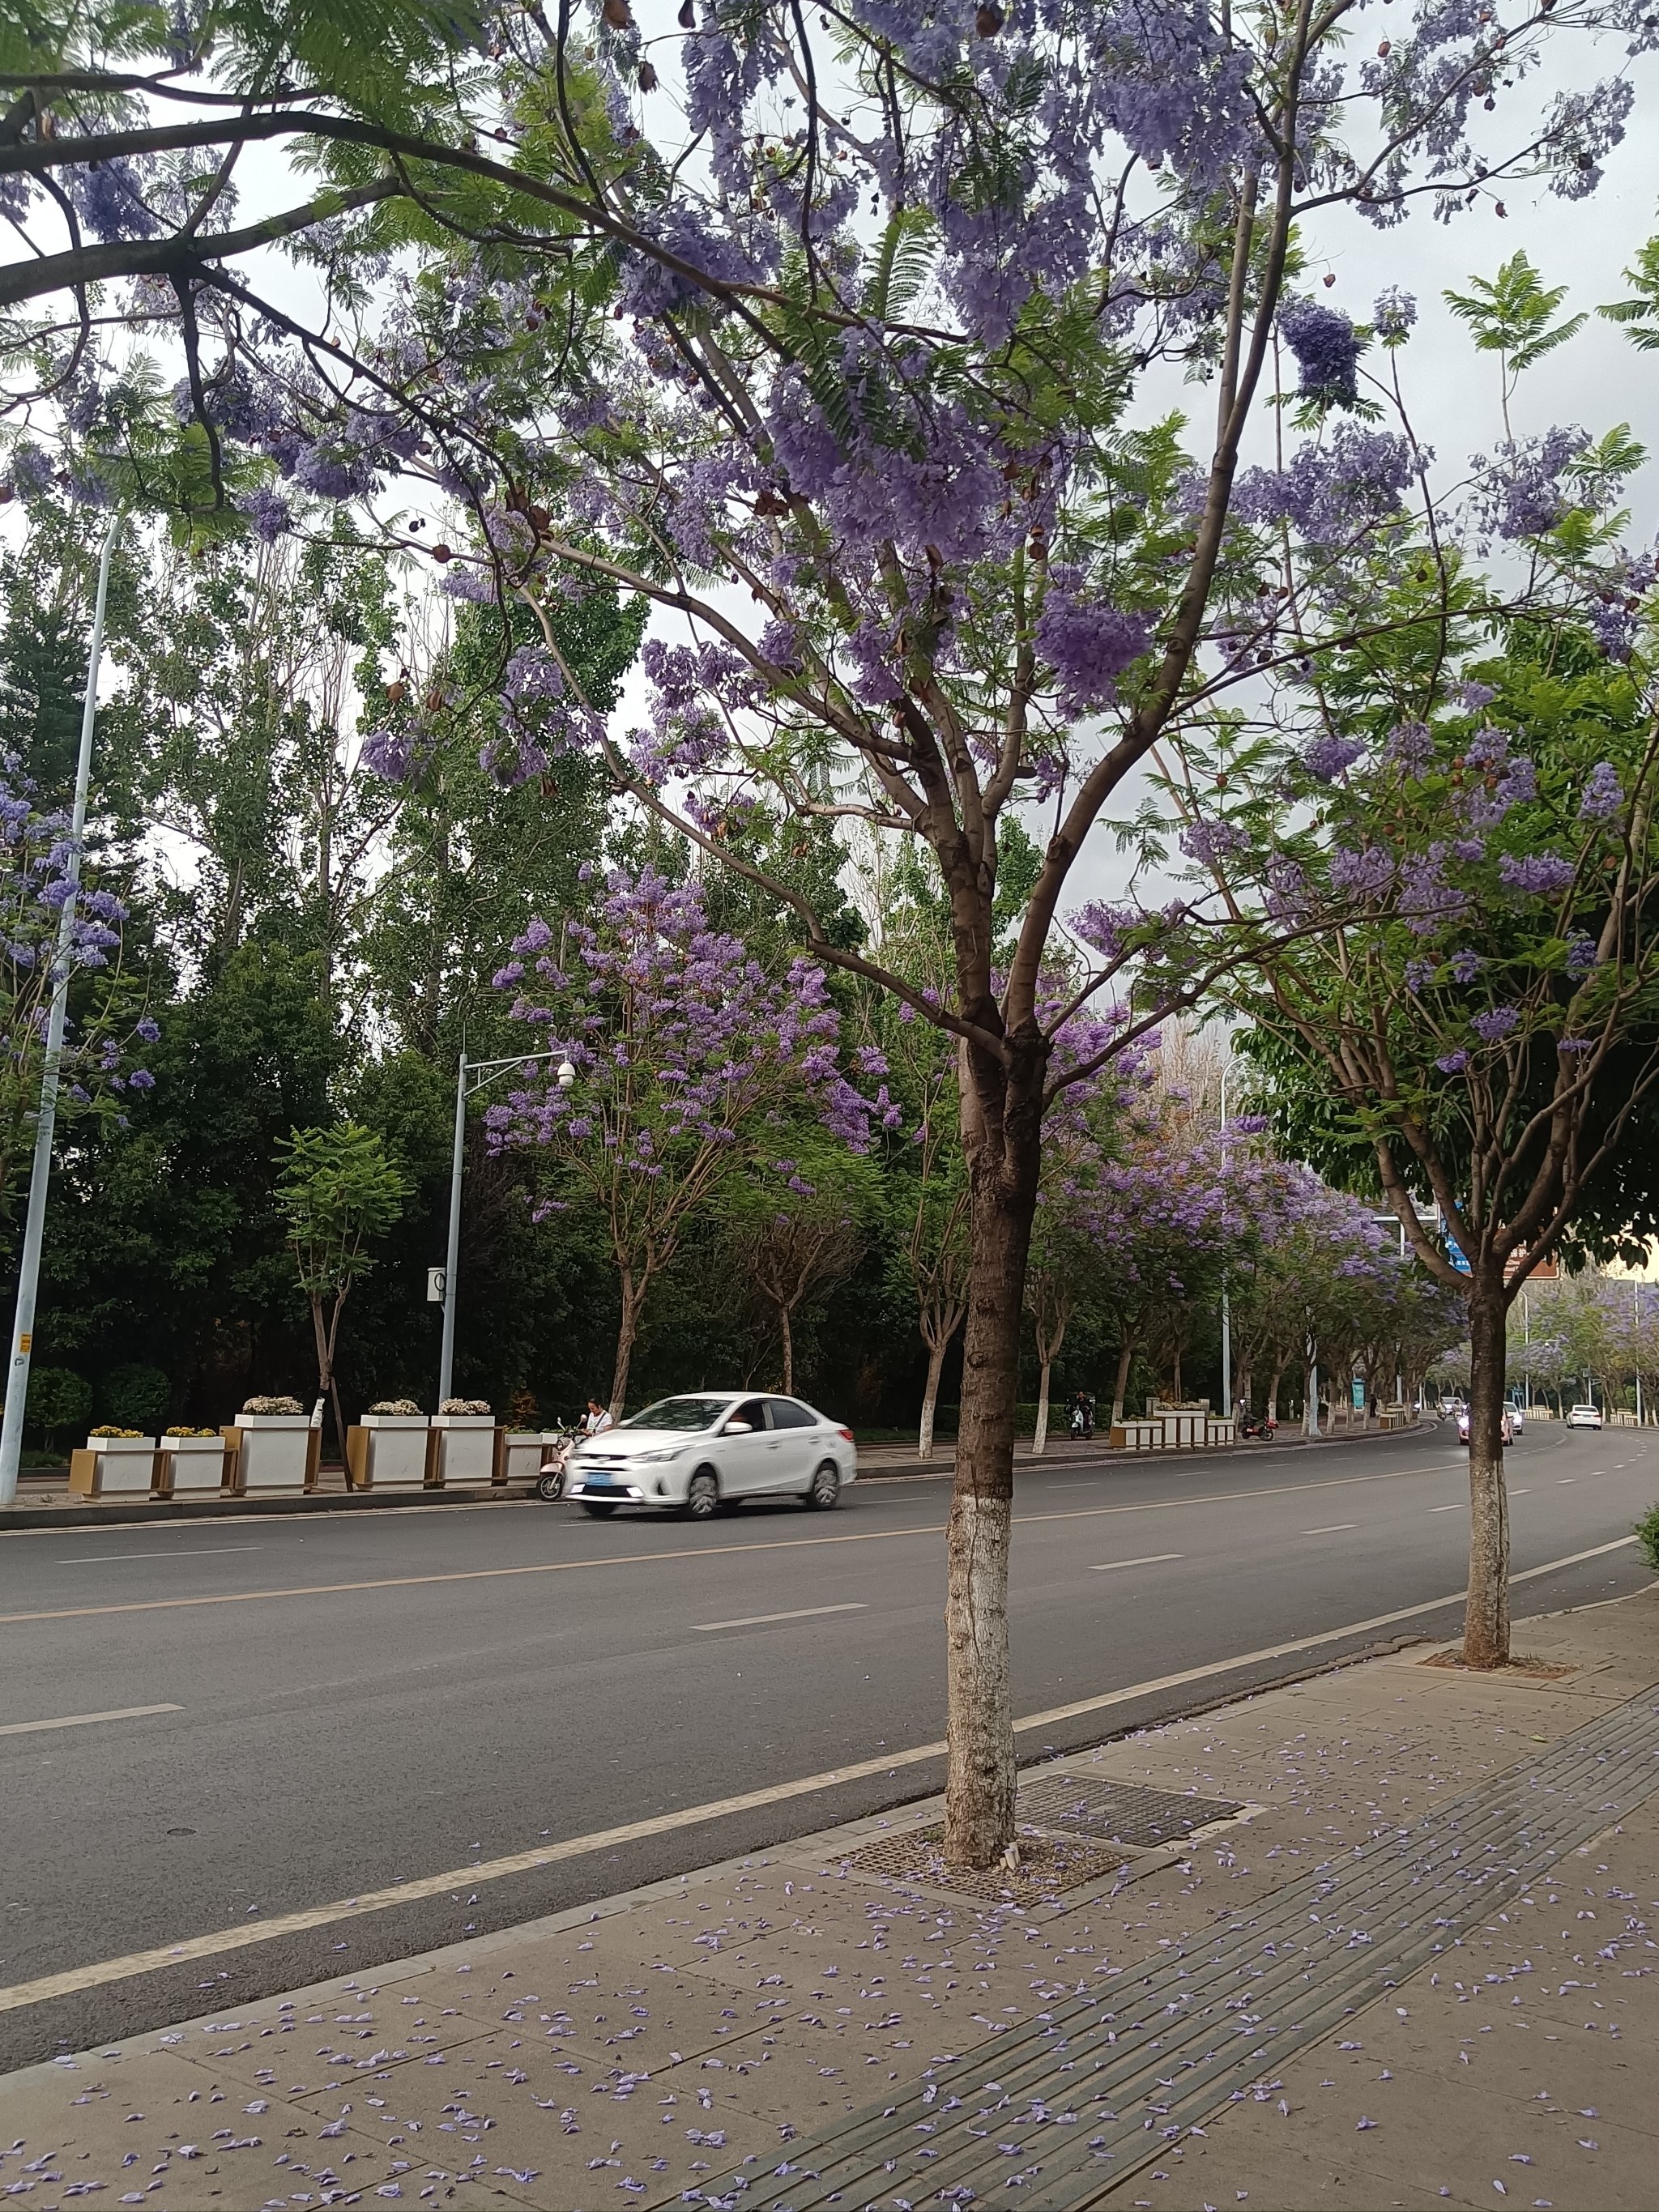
(1047, 1864)
(1118, 1812)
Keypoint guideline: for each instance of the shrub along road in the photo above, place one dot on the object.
(290, 1715)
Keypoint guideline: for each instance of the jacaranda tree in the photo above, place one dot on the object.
(1453, 807)
(686, 1055)
(821, 331)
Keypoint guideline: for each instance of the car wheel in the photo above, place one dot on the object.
(825, 1495)
(702, 1496)
(601, 1509)
(551, 1485)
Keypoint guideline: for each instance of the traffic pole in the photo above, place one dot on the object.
(452, 1254)
(28, 1270)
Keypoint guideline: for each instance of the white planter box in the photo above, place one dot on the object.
(527, 1450)
(386, 1450)
(192, 1466)
(466, 1448)
(276, 1450)
(126, 1466)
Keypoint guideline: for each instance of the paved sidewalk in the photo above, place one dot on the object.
(723, 2039)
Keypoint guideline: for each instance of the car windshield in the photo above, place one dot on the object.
(679, 1413)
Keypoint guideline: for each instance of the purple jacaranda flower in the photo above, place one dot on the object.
(1089, 646)
(1328, 757)
(1362, 874)
(1497, 1022)
(1604, 794)
(1327, 347)
(1581, 952)
(1535, 875)
(1466, 965)
(1211, 842)
(1453, 1063)
(1410, 745)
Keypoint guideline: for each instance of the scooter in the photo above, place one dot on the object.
(1265, 1428)
(549, 1483)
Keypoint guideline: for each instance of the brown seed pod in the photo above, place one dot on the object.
(989, 20)
(648, 78)
(442, 553)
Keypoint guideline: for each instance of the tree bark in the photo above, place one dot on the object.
(1125, 1361)
(786, 1331)
(327, 1336)
(930, 1397)
(1486, 1614)
(1039, 1432)
(633, 1298)
(1273, 1382)
(980, 1780)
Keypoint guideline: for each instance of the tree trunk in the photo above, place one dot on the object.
(930, 1398)
(1241, 1382)
(1175, 1377)
(1486, 1614)
(786, 1331)
(328, 1334)
(633, 1298)
(1040, 1433)
(980, 1780)
(1273, 1382)
(1125, 1360)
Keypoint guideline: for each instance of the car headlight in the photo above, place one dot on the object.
(659, 1458)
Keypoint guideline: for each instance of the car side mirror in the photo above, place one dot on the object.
(737, 1429)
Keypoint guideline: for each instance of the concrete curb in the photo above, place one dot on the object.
(140, 1513)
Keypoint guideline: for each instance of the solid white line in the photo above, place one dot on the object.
(763, 1619)
(1457, 1508)
(220, 1940)
(1520, 1493)
(1565, 1478)
(203, 1552)
(1332, 1528)
(1152, 1560)
(85, 1720)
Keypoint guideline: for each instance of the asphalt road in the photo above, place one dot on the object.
(370, 1700)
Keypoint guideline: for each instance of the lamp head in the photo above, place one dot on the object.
(566, 1076)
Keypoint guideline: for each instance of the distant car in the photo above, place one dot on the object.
(692, 1455)
(1584, 1417)
(1517, 1419)
(1508, 1425)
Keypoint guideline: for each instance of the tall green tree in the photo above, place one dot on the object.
(340, 1192)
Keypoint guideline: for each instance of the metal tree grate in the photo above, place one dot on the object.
(1048, 1865)
(1118, 1812)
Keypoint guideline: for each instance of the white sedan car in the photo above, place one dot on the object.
(1506, 1425)
(1584, 1417)
(694, 1454)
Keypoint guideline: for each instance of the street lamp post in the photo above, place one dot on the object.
(29, 1267)
(1227, 1406)
(472, 1076)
